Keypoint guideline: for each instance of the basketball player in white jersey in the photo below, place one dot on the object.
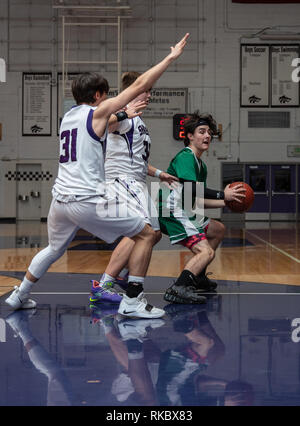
(126, 170)
(79, 194)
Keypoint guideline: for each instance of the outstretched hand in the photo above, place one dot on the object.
(135, 108)
(177, 50)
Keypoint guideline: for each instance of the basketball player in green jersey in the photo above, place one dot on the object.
(196, 232)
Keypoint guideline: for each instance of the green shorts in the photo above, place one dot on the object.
(180, 228)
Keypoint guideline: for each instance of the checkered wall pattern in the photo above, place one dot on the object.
(24, 176)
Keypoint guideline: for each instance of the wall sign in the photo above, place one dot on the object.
(254, 75)
(37, 104)
(266, 75)
(285, 92)
(165, 103)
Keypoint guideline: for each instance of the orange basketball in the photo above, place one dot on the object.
(246, 203)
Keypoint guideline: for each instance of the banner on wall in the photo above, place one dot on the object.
(285, 92)
(254, 75)
(37, 104)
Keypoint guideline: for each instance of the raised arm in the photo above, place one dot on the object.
(141, 84)
(134, 109)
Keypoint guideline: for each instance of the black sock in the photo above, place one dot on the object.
(202, 273)
(186, 278)
(134, 289)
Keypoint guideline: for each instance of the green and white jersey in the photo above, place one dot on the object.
(176, 216)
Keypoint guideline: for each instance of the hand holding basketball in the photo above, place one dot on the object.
(239, 197)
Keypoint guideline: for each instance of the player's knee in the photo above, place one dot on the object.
(147, 234)
(158, 237)
(222, 230)
(207, 252)
(43, 260)
(204, 251)
(219, 230)
(210, 254)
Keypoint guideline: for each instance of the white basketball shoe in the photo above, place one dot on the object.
(19, 300)
(138, 328)
(138, 307)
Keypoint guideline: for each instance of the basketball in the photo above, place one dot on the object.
(246, 203)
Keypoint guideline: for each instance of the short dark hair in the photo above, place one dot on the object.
(192, 122)
(85, 86)
(128, 78)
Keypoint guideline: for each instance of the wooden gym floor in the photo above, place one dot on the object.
(239, 348)
(259, 252)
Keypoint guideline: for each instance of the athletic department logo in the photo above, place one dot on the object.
(284, 99)
(254, 99)
(36, 129)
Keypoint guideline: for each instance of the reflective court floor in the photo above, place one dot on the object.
(240, 348)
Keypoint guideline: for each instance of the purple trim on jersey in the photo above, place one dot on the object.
(128, 136)
(129, 139)
(132, 193)
(104, 145)
(89, 127)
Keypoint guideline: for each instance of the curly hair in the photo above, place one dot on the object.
(192, 122)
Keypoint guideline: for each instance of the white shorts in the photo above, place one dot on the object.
(64, 220)
(135, 194)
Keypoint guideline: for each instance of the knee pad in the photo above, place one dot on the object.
(43, 260)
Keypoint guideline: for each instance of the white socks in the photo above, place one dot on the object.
(106, 277)
(26, 286)
(134, 279)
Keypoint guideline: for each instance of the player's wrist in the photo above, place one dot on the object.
(220, 195)
(122, 115)
(157, 173)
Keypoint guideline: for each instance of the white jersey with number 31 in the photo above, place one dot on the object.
(82, 153)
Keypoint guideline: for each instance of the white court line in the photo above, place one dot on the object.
(274, 247)
(213, 294)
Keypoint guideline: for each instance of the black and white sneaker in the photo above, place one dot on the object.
(184, 294)
(138, 307)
